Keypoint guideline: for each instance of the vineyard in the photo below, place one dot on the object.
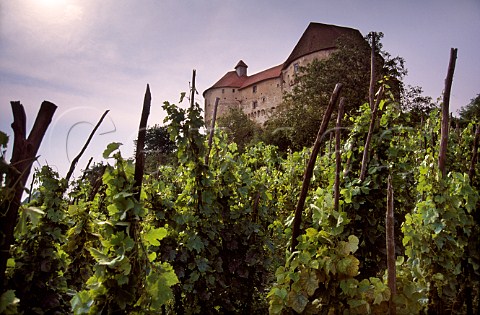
(379, 217)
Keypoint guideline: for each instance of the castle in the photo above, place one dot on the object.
(259, 94)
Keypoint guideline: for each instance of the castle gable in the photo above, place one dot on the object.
(317, 37)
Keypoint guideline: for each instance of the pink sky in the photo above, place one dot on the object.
(87, 56)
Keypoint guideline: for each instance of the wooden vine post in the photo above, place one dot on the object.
(139, 152)
(390, 240)
(212, 130)
(310, 166)
(338, 155)
(473, 162)
(365, 158)
(135, 278)
(77, 158)
(442, 156)
(371, 95)
(193, 91)
(23, 155)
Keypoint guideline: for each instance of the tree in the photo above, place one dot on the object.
(159, 148)
(296, 121)
(239, 128)
(416, 104)
(470, 112)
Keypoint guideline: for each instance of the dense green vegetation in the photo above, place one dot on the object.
(213, 236)
(214, 239)
(471, 112)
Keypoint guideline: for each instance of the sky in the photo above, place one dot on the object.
(87, 56)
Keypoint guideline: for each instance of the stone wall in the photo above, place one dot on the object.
(259, 100)
(291, 71)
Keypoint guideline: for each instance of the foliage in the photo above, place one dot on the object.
(239, 128)
(126, 275)
(214, 239)
(220, 215)
(295, 123)
(8, 303)
(470, 112)
(39, 260)
(322, 277)
(443, 221)
(159, 149)
(417, 105)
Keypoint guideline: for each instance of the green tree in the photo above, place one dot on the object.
(416, 104)
(239, 128)
(471, 111)
(159, 149)
(295, 123)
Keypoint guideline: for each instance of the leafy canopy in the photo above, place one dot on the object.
(295, 123)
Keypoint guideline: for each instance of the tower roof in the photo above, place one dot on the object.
(241, 64)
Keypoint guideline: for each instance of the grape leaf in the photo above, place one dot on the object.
(110, 148)
(8, 302)
(309, 281)
(297, 301)
(153, 236)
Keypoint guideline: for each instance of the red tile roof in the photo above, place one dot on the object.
(316, 37)
(232, 80)
(271, 73)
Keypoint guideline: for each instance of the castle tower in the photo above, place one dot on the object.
(241, 68)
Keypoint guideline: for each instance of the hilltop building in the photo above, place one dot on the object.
(259, 94)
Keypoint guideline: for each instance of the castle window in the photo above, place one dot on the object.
(254, 89)
(233, 90)
(295, 67)
(223, 91)
(254, 104)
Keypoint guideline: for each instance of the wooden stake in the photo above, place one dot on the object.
(363, 170)
(473, 162)
(86, 168)
(193, 91)
(442, 156)
(338, 156)
(212, 130)
(389, 226)
(311, 164)
(139, 153)
(77, 158)
(371, 95)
